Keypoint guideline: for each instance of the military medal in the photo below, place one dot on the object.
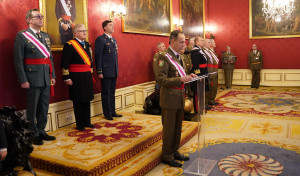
(176, 73)
(48, 41)
(109, 51)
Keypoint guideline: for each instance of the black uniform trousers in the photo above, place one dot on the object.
(172, 125)
(37, 108)
(108, 89)
(82, 111)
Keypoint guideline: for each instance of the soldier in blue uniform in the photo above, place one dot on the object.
(35, 70)
(106, 59)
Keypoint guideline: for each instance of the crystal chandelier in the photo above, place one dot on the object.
(277, 9)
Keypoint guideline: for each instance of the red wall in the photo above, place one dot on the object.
(231, 19)
(136, 50)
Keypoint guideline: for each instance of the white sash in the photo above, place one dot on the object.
(42, 48)
(176, 65)
(207, 53)
(215, 57)
(63, 3)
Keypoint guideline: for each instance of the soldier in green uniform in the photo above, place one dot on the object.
(35, 70)
(161, 50)
(191, 45)
(214, 68)
(255, 61)
(228, 61)
(171, 77)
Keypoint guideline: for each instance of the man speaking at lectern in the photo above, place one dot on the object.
(171, 77)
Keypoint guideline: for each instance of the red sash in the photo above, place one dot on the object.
(202, 65)
(39, 61)
(84, 56)
(180, 88)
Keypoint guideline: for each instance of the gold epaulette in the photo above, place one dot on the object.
(197, 71)
(65, 71)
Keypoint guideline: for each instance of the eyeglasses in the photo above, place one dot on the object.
(38, 16)
(82, 31)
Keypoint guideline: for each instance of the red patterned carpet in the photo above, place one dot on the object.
(107, 147)
(265, 101)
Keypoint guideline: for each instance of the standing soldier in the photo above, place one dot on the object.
(255, 61)
(161, 50)
(106, 60)
(35, 70)
(171, 78)
(191, 45)
(199, 67)
(77, 74)
(229, 60)
(65, 13)
(213, 68)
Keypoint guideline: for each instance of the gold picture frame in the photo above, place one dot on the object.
(52, 20)
(192, 12)
(259, 28)
(148, 17)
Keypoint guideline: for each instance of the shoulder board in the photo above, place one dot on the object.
(43, 32)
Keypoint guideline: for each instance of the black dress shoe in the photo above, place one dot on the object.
(208, 108)
(109, 118)
(172, 163)
(90, 126)
(80, 128)
(46, 137)
(182, 158)
(37, 141)
(116, 115)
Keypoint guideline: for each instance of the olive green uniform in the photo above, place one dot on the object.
(228, 68)
(38, 77)
(172, 100)
(214, 79)
(255, 61)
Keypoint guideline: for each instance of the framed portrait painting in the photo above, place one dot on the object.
(282, 27)
(192, 14)
(60, 17)
(147, 17)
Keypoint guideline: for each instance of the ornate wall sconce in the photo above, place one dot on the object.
(178, 23)
(209, 32)
(116, 11)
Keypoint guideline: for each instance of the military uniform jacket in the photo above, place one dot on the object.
(210, 61)
(187, 62)
(82, 89)
(198, 62)
(36, 75)
(255, 61)
(155, 62)
(106, 56)
(227, 65)
(169, 79)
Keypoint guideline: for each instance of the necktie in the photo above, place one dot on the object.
(39, 36)
(177, 55)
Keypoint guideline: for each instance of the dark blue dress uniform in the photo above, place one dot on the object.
(82, 91)
(106, 59)
(199, 67)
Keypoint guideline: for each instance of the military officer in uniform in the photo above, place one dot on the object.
(228, 60)
(171, 78)
(255, 61)
(161, 50)
(199, 67)
(191, 43)
(77, 74)
(35, 70)
(213, 68)
(65, 13)
(106, 59)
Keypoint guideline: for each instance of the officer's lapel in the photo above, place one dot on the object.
(174, 57)
(29, 30)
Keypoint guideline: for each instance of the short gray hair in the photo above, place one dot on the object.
(29, 14)
(77, 26)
